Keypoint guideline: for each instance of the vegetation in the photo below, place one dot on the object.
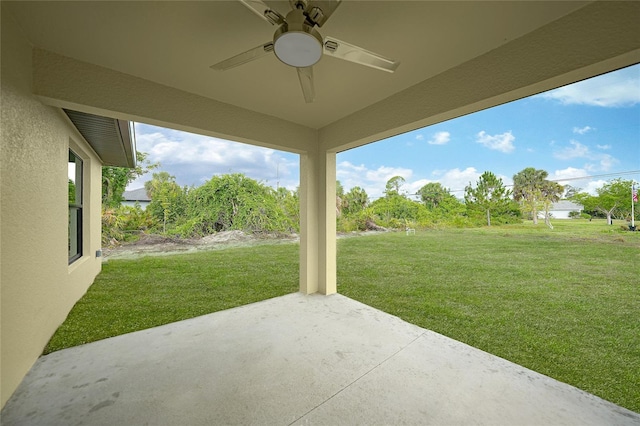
(532, 189)
(227, 202)
(613, 200)
(564, 302)
(489, 195)
(131, 295)
(168, 200)
(116, 179)
(236, 202)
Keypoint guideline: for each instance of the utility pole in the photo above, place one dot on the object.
(634, 199)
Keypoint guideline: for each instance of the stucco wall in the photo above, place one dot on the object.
(38, 286)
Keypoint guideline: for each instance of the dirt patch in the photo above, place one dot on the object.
(157, 245)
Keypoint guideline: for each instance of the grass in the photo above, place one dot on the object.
(563, 302)
(131, 295)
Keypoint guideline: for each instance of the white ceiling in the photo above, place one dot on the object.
(150, 62)
(174, 43)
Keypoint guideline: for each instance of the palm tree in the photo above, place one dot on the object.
(550, 193)
(355, 200)
(527, 189)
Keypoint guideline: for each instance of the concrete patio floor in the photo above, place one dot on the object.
(295, 360)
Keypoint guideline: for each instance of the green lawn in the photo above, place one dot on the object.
(131, 295)
(563, 302)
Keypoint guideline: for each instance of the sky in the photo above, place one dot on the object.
(589, 130)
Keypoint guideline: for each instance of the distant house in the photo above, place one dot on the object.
(561, 209)
(130, 198)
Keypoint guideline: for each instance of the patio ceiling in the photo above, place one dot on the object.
(455, 57)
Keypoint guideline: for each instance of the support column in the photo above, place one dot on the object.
(318, 222)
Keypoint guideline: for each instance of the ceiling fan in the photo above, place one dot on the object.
(298, 43)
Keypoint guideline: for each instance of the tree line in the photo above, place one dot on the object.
(237, 202)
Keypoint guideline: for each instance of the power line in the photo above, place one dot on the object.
(630, 172)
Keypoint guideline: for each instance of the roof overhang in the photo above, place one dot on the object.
(112, 139)
(456, 58)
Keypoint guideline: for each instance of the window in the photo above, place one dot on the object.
(75, 206)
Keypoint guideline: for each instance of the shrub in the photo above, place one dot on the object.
(124, 223)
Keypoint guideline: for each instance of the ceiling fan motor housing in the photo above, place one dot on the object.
(297, 43)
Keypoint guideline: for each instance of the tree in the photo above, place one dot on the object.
(235, 202)
(440, 202)
(165, 195)
(612, 200)
(289, 202)
(396, 211)
(432, 194)
(570, 191)
(355, 200)
(72, 192)
(488, 195)
(116, 179)
(393, 186)
(550, 192)
(339, 198)
(527, 188)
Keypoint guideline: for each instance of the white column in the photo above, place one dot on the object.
(318, 222)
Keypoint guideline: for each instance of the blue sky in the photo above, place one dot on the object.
(590, 128)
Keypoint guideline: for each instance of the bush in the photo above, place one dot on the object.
(124, 223)
(236, 202)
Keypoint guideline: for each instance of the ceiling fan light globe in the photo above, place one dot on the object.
(298, 49)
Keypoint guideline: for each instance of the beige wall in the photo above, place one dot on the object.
(38, 287)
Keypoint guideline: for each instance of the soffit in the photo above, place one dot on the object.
(174, 43)
(110, 138)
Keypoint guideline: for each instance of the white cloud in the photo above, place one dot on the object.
(613, 90)
(373, 181)
(194, 159)
(457, 180)
(440, 138)
(582, 130)
(502, 142)
(593, 185)
(420, 137)
(414, 187)
(568, 173)
(569, 176)
(576, 151)
(603, 147)
(583, 185)
(604, 163)
(598, 162)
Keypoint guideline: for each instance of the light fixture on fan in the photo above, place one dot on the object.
(296, 43)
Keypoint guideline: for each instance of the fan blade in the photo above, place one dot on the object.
(264, 11)
(306, 82)
(318, 11)
(243, 58)
(349, 52)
